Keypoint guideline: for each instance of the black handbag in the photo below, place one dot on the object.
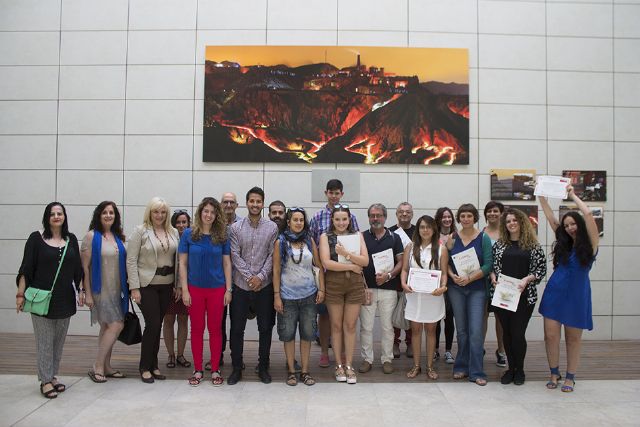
(132, 332)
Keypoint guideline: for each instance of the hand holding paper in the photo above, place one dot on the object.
(553, 187)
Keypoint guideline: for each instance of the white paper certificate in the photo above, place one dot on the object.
(423, 280)
(403, 236)
(466, 262)
(383, 262)
(553, 187)
(506, 294)
(351, 243)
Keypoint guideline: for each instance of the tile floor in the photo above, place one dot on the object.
(129, 402)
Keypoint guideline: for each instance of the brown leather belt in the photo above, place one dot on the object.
(165, 271)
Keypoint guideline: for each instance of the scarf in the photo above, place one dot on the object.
(96, 268)
(288, 236)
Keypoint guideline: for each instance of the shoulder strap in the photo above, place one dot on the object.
(55, 279)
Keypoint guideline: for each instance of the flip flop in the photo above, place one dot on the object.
(116, 374)
(96, 377)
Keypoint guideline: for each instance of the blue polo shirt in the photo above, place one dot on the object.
(205, 260)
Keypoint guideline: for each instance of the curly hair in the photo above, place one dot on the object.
(116, 227)
(435, 242)
(564, 243)
(219, 226)
(527, 239)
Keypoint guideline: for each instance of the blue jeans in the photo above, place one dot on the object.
(468, 311)
(298, 314)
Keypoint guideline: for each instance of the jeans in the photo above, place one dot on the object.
(468, 311)
(266, 316)
(298, 314)
(383, 301)
(153, 305)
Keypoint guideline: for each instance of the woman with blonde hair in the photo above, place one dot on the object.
(517, 254)
(205, 278)
(151, 269)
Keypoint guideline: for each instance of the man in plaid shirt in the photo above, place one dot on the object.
(320, 224)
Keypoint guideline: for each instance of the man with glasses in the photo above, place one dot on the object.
(404, 215)
(382, 278)
(320, 224)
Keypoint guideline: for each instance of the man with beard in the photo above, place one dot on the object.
(382, 277)
(277, 211)
(404, 214)
(252, 240)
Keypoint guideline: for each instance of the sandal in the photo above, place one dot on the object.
(292, 379)
(481, 382)
(351, 375)
(172, 362)
(116, 374)
(459, 375)
(431, 374)
(340, 375)
(414, 371)
(553, 382)
(196, 378)
(216, 379)
(307, 379)
(49, 394)
(568, 388)
(59, 387)
(96, 377)
(185, 363)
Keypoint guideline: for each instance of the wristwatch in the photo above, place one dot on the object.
(389, 275)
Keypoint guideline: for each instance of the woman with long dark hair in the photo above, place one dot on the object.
(105, 277)
(517, 254)
(46, 252)
(567, 297)
(205, 277)
(345, 288)
(445, 222)
(295, 291)
(180, 220)
(425, 252)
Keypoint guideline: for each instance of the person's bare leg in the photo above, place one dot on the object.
(552, 343)
(183, 331)
(290, 353)
(431, 342)
(573, 341)
(305, 351)
(336, 315)
(499, 334)
(416, 341)
(351, 315)
(113, 330)
(167, 333)
(324, 330)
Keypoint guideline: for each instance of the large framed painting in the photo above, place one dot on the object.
(335, 104)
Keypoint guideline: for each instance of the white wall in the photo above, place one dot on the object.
(103, 100)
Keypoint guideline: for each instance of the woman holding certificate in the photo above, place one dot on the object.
(567, 296)
(425, 303)
(343, 254)
(518, 258)
(470, 263)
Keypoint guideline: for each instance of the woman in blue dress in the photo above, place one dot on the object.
(567, 296)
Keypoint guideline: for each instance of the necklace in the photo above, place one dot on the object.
(166, 238)
(299, 257)
(112, 243)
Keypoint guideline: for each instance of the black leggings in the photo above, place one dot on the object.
(153, 305)
(514, 327)
(449, 327)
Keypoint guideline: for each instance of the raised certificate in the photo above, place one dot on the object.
(553, 187)
(351, 243)
(466, 262)
(423, 280)
(507, 293)
(383, 262)
(403, 236)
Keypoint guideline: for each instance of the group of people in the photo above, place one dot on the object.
(317, 276)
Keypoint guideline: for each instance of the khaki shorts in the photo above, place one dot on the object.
(344, 287)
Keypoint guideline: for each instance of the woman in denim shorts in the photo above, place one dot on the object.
(295, 290)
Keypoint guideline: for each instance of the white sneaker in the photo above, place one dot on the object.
(448, 358)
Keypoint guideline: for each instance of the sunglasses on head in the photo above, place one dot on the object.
(180, 211)
(341, 206)
(296, 209)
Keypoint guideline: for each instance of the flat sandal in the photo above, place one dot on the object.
(414, 371)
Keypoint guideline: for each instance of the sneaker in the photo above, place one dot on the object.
(501, 359)
(507, 377)
(324, 361)
(365, 367)
(518, 378)
(436, 356)
(396, 350)
(448, 358)
(387, 368)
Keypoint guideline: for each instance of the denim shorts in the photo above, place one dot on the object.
(298, 311)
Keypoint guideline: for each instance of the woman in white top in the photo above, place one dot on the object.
(424, 310)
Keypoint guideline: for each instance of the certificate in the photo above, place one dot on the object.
(466, 262)
(553, 187)
(403, 236)
(423, 280)
(351, 243)
(383, 262)
(507, 293)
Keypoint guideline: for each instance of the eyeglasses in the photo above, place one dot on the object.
(296, 209)
(180, 211)
(340, 206)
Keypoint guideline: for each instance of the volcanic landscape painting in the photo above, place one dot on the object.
(335, 104)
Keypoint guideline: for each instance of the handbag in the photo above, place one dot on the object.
(397, 317)
(131, 332)
(36, 300)
(368, 293)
